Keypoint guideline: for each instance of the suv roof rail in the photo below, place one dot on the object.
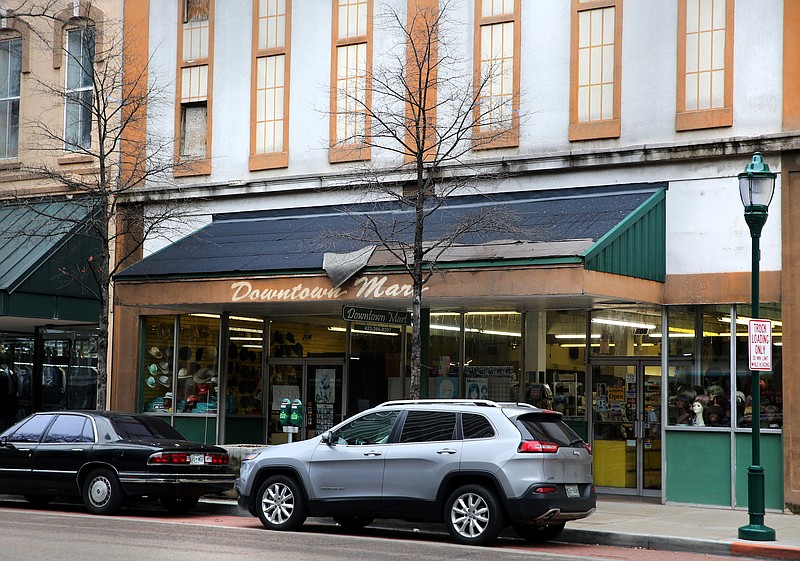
(517, 404)
(476, 402)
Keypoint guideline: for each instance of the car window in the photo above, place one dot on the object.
(548, 428)
(129, 427)
(67, 428)
(428, 426)
(32, 429)
(373, 428)
(476, 426)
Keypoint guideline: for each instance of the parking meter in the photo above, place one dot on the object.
(296, 415)
(285, 412)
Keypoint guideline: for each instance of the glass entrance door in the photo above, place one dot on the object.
(626, 427)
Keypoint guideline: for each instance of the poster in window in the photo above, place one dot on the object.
(326, 383)
(324, 417)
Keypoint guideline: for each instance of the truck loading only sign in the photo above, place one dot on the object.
(759, 334)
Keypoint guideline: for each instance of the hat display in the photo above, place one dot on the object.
(155, 352)
(184, 353)
(153, 368)
(164, 366)
(168, 395)
(203, 375)
(183, 373)
(210, 353)
(164, 380)
(150, 381)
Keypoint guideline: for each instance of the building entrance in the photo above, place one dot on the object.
(626, 427)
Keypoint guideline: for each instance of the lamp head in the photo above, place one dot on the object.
(757, 185)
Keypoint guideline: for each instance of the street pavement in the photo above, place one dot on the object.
(646, 523)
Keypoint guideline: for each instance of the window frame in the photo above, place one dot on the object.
(190, 166)
(694, 119)
(605, 128)
(279, 158)
(355, 151)
(493, 138)
(8, 38)
(78, 148)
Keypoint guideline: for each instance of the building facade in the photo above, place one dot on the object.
(613, 132)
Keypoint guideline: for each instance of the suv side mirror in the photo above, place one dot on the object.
(327, 438)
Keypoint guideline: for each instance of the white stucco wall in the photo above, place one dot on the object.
(706, 229)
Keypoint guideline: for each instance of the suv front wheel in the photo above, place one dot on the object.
(473, 516)
(280, 504)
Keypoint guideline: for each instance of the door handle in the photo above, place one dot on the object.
(446, 451)
(373, 453)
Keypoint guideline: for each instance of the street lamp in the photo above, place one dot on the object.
(756, 187)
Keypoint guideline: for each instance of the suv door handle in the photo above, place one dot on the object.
(446, 451)
(373, 453)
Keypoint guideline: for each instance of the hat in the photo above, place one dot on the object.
(155, 352)
(209, 353)
(153, 368)
(183, 373)
(203, 375)
(184, 353)
(150, 381)
(168, 395)
(164, 380)
(164, 366)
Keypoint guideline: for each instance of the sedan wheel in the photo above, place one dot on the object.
(280, 504)
(179, 505)
(473, 516)
(102, 493)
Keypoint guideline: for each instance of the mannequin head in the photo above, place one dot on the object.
(698, 407)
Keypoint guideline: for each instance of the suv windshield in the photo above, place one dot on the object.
(548, 428)
(129, 427)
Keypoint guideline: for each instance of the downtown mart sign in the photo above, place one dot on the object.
(372, 287)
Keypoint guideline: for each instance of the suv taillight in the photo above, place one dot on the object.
(538, 446)
(588, 449)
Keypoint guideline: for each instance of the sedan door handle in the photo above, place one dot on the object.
(446, 451)
(373, 453)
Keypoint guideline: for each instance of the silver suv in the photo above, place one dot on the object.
(476, 465)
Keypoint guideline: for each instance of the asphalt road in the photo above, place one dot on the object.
(67, 533)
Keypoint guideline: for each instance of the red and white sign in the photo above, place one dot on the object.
(759, 335)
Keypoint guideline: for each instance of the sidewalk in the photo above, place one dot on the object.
(633, 522)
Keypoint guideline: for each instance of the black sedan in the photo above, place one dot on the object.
(106, 458)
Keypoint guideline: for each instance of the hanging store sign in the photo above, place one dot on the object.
(351, 313)
(759, 335)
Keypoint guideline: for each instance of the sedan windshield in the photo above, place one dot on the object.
(129, 427)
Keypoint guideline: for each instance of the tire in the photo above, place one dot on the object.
(353, 523)
(473, 515)
(280, 504)
(102, 493)
(38, 500)
(538, 534)
(179, 505)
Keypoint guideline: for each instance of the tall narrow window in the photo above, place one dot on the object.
(10, 70)
(269, 136)
(497, 54)
(350, 95)
(194, 85)
(79, 89)
(595, 69)
(705, 64)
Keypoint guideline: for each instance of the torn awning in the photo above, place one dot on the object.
(617, 229)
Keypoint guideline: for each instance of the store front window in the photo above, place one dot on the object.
(626, 332)
(566, 364)
(493, 356)
(701, 391)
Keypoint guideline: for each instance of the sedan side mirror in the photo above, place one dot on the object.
(3, 441)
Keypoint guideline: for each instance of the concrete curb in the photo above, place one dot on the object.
(646, 541)
(755, 549)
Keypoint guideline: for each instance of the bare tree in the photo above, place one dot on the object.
(89, 148)
(422, 106)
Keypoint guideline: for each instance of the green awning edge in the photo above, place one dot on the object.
(637, 246)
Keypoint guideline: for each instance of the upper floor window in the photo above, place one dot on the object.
(350, 95)
(194, 83)
(497, 53)
(595, 69)
(79, 99)
(705, 64)
(10, 70)
(270, 89)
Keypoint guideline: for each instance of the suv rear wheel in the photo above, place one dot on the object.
(473, 515)
(280, 504)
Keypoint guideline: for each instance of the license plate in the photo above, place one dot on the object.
(197, 459)
(572, 491)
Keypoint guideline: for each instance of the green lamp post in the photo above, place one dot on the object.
(756, 187)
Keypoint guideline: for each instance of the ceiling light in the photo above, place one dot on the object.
(622, 323)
